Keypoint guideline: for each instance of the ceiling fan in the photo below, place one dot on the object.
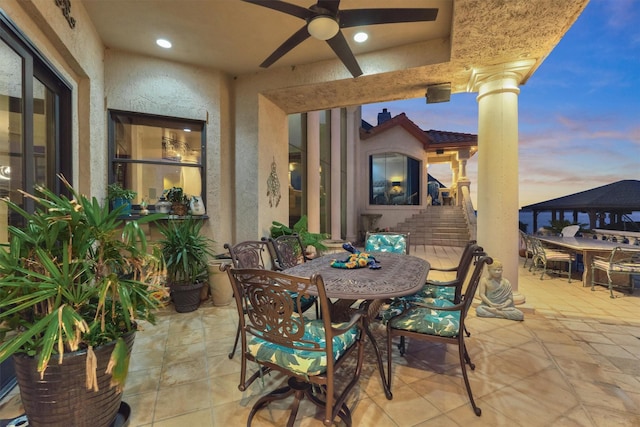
(324, 21)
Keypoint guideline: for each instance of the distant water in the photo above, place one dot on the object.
(544, 218)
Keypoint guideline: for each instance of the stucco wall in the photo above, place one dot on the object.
(153, 86)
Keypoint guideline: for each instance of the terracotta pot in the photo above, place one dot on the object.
(221, 291)
(61, 397)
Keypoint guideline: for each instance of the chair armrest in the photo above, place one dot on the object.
(451, 269)
(438, 283)
(357, 317)
(456, 307)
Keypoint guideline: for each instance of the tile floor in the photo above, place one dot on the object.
(574, 361)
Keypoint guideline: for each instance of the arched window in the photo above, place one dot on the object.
(394, 179)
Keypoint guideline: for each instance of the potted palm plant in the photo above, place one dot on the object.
(119, 196)
(186, 253)
(74, 282)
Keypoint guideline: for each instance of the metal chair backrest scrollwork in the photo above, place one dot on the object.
(279, 337)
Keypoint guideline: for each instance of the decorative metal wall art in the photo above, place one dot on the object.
(273, 186)
(65, 7)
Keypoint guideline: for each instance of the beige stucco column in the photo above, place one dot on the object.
(335, 174)
(353, 142)
(498, 164)
(313, 171)
(463, 180)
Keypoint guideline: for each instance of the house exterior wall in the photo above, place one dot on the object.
(395, 140)
(153, 86)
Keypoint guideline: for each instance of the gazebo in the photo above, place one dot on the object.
(612, 201)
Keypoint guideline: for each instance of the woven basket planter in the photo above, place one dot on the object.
(61, 398)
(186, 298)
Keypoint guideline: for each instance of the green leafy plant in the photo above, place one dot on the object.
(300, 227)
(74, 277)
(176, 195)
(115, 191)
(186, 251)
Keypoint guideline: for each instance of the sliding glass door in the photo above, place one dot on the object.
(35, 132)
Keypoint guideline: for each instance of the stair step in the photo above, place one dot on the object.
(442, 226)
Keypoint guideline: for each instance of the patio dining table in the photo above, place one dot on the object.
(399, 275)
(585, 246)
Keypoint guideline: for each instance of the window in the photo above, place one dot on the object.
(394, 180)
(150, 154)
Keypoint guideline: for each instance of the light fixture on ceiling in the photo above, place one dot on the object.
(323, 27)
(438, 93)
(163, 43)
(361, 37)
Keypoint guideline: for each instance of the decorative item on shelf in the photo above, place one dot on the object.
(179, 201)
(163, 206)
(197, 206)
(186, 254)
(144, 207)
(120, 198)
(74, 281)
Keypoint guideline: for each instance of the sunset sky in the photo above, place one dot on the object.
(579, 114)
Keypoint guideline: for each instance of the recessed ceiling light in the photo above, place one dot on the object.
(163, 43)
(186, 130)
(361, 37)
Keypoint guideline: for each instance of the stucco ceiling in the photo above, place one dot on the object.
(398, 61)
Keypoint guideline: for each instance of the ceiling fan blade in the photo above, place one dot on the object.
(331, 5)
(298, 37)
(358, 17)
(280, 6)
(342, 49)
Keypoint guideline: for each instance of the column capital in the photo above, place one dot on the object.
(517, 72)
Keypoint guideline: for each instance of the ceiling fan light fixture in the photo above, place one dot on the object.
(323, 27)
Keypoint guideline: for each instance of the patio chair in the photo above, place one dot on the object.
(279, 337)
(526, 248)
(254, 254)
(542, 257)
(441, 321)
(248, 254)
(387, 241)
(288, 251)
(450, 290)
(621, 261)
(570, 230)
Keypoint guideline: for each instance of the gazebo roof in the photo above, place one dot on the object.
(618, 196)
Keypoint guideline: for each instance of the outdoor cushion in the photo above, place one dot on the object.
(427, 320)
(303, 362)
(386, 243)
(619, 267)
(427, 295)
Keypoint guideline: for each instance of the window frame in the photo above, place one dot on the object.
(154, 120)
(410, 175)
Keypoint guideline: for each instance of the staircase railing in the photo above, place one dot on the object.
(469, 212)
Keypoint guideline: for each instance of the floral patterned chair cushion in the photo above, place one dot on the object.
(302, 362)
(396, 243)
(427, 295)
(431, 321)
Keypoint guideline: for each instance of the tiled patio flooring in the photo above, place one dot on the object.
(574, 362)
